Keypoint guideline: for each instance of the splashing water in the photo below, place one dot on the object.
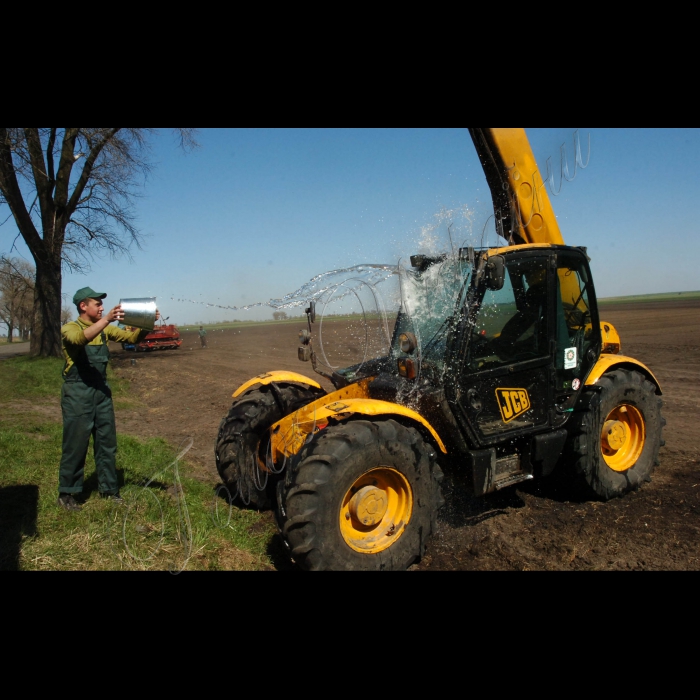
(315, 289)
(449, 230)
(358, 307)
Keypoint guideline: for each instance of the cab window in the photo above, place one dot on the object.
(511, 325)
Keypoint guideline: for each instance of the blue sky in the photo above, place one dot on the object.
(255, 213)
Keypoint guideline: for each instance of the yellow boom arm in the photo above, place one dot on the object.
(521, 204)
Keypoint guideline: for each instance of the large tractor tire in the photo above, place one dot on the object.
(364, 496)
(614, 445)
(243, 441)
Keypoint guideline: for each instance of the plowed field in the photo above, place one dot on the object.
(188, 391)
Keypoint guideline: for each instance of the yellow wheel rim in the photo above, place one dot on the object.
(376, 510)
(622, 437)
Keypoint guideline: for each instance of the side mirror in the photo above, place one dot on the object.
(495, 273)
(311, 311)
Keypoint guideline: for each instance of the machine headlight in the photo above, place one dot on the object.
(407, 368)
(407, 343)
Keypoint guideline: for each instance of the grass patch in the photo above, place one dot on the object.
(40, 377)
(30, 377)
(171, 521)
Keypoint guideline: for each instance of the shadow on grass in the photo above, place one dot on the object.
(90, 485)
(278, 555)
(276, 550)
(18, 513)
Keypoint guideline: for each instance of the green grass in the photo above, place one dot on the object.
(666, 296)
(40, 377)
(29, 377)
(171, 522)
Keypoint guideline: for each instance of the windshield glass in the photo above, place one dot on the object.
(361, 312)
(429, 300)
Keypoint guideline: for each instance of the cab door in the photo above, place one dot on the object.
(505, 379)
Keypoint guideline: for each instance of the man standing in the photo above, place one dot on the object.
(203, 336)
(86, 399)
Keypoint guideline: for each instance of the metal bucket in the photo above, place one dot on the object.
(140, 313)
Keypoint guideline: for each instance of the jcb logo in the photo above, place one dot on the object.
(512, 402)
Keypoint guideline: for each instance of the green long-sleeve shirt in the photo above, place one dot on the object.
(74, 340)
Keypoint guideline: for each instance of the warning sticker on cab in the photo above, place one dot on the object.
(512, 403)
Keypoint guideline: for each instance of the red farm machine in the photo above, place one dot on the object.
(162, 337)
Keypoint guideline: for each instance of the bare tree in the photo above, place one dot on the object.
(16, 296)
(71, 194)
(279, 315)
(67, 313)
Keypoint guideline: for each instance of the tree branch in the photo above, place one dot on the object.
(65, 166)
(41, 180)
(22, 276)
(87, 170)
(13, 195)
(49, 157)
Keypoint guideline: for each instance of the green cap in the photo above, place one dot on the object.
(87, 293)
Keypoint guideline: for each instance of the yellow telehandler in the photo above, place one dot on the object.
(509, 376)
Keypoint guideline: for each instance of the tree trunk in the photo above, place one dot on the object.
(45, 337)
(10, 331)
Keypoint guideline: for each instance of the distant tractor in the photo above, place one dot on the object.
(162, 337)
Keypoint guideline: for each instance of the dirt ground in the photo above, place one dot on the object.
(525, 527)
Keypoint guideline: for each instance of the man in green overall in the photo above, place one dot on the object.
(86, 399)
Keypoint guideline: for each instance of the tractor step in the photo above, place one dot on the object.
(493, 474)
(511, 479)
(508, 471)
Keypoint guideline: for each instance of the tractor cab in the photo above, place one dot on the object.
(508, 336)
(527, 338)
